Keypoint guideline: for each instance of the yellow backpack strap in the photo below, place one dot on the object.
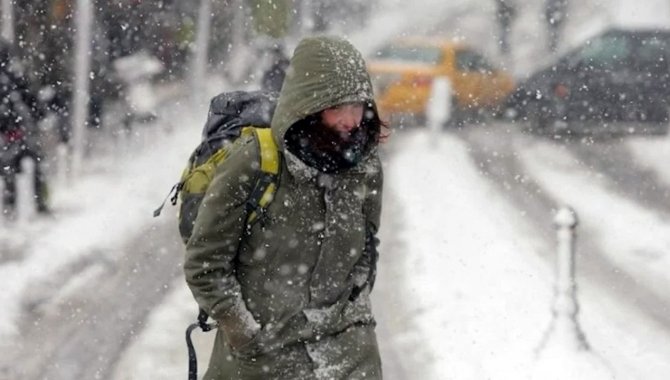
(266, 185)
(269, 151)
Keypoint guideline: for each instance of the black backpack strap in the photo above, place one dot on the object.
(255, 206)
(192, 359)
(268, 177)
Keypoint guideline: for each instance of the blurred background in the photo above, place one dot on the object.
(502, 112)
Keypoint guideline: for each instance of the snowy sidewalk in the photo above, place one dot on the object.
(477, 290)
(100, 211)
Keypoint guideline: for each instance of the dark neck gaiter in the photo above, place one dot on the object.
(325, 149)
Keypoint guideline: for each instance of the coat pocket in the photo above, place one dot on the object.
(249, 349)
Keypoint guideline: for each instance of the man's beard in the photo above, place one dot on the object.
(324, 148)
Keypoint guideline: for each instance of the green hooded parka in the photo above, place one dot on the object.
(291, 294)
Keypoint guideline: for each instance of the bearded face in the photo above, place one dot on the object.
(333, 141)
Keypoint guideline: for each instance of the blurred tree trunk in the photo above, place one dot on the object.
(201, 48)
(84, 24)
(8, 20)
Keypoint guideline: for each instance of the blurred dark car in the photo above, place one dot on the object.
(617, 82)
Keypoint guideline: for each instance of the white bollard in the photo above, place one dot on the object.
(25, 191)
(438, 109)
(8, 32)
(62, 166)
(122, 142)
(564, 352)
(565, 306)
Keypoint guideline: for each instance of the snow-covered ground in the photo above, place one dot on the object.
(485, 295)
(476, 287)
(472, 271)
(637, 246)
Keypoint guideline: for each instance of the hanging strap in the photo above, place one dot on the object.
(192, 359)
(176, 189)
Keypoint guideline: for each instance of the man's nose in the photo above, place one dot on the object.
(350, 122)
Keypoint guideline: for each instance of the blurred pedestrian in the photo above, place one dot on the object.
(291, 293)
(555, 14)
(505, 14)
(20, 111)
(273, 77)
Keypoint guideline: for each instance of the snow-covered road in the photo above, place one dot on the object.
(622, 239)
(466, 274)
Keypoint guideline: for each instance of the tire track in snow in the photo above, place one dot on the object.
(614, 160)
(82, 334)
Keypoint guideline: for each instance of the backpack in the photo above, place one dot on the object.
(233, 117)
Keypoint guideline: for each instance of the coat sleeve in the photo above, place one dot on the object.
(365, 270)
(209, 266)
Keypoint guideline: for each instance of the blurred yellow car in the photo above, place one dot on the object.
(403, 71)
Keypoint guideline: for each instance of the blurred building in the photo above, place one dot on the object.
(45, 32)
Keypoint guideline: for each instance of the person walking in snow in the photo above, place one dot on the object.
(291, 294)
(505, 14)
(555, 14)
(20, 110)
(273, 77)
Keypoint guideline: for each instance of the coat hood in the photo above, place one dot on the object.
(324, 72)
